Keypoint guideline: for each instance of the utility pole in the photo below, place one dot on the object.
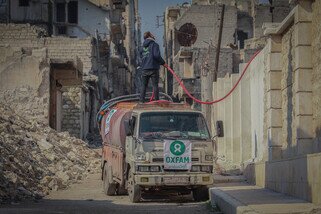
(218, 47)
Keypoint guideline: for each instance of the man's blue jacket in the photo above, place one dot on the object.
(150, 55)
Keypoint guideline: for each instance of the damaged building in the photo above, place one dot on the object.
(268, 129)
(60, 59)
(208, 39)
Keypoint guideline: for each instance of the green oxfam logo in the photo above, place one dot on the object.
(177, 148)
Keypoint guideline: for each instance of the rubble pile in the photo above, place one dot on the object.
(35, 159)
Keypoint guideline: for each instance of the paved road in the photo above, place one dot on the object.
(88, 197)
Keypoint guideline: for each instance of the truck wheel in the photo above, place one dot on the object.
(121, 190)
(133, 189)
(200, 194)
(108, 184)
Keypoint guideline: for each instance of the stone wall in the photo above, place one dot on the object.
(267, 13)
(25, 57)
(288, 99)
(28, 37)
(70, 48)
(261, 14)
(25, 32)
(316, 74)
(71, 110)
(298, 177)
(292, 107)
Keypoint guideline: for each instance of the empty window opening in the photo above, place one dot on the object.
(23, 3)
(60, 12)
(188, 68)
(241, 36)
(73, 12)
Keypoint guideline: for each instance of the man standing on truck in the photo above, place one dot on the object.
(151, 61)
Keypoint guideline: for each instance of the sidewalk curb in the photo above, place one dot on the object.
(228, 204)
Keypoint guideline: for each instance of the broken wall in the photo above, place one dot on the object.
(25, 64)
(30, 37)
(24, 83)
(71, 110)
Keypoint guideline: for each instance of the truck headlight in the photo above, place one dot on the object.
(154, 169)
(196, 168)
(206, 168)
(143, 168)
(209, 157)
(140, 157)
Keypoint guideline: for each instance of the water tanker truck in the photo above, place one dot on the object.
(158, 146)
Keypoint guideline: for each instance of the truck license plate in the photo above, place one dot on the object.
(176, 180)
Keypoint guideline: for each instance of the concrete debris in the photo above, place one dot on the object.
(36, 159)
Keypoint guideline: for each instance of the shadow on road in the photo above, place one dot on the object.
(49, 206)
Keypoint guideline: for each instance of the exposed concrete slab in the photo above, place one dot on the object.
(240, 198)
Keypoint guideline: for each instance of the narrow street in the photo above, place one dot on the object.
(160, 100)
(88, 197)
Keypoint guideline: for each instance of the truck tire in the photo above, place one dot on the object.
(121, 190)
(133, 189)
(201, 194)
(108, 185)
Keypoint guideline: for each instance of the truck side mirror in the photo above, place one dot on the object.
(219, 128)
(128, 129)
(130, 126)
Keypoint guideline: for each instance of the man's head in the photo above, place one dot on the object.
(148, 35)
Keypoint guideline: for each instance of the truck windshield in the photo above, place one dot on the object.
(176, 125)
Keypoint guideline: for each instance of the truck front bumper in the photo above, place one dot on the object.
(174, 180)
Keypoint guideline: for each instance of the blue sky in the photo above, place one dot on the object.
(150, 9)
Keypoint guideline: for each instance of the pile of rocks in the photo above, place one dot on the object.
(35, 159)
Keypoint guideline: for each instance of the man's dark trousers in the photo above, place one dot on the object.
(146, 75)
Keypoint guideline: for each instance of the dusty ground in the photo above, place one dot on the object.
(87, 197)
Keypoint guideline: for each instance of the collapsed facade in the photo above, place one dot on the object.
(59, 60)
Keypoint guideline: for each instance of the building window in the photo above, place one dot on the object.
(242, 36)
(60, 12)
(73, 12)
(23, 3)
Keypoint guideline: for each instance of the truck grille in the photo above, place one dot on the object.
(159, 160)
